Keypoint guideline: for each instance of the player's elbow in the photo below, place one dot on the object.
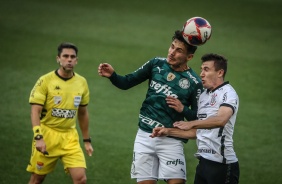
(222, 122)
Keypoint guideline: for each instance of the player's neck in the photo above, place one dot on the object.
(180, 68)
(217, 84)
(65, 73)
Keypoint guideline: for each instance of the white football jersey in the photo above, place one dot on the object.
(217, 144)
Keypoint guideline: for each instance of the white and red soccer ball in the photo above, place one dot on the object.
(196, 31)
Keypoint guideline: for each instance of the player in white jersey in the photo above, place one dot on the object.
(217, 111)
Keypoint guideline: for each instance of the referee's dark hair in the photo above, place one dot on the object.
(220, 62)
(190, 48)
(67, 45)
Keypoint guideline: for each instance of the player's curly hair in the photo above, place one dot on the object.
(190, 48)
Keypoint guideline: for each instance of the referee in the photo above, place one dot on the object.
(58, 99)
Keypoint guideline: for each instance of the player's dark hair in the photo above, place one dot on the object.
(190, 48)
(67, 45)
(220, 62)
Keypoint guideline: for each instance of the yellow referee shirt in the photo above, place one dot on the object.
(60, 99)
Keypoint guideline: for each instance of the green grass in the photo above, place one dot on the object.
(126, 34)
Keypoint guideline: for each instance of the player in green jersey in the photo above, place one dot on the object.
(57, 100)
(172, 95)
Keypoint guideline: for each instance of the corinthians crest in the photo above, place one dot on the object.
(213, 99)
(170, 76)
(184, 83)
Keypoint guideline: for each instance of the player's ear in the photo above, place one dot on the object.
(58, 59)
(220, 73)
(189, 57)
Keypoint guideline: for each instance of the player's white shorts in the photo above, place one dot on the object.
(157, 158)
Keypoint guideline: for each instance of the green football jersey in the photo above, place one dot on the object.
(163, 81)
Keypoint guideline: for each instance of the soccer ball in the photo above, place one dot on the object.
(196, 31)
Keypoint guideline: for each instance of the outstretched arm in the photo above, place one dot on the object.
(219, 120)
(127, 81)
(174, 132)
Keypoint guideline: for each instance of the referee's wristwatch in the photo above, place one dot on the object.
(87, 140)
(38, 137)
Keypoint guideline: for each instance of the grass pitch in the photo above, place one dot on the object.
(127, 34)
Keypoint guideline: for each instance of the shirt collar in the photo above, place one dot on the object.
(227, 82)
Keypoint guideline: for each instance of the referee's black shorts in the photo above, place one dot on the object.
(210, 172)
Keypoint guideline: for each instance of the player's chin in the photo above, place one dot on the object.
(70, 68)
(171, 61)
(205, 85)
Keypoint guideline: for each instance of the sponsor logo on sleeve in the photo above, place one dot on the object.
(193, 78)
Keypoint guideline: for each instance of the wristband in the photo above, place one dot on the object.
(87, 140)
(37, 130)
(38, 137)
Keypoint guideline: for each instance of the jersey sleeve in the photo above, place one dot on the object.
(230, 99)
(39, 92)
(134, 78)
(191, 113)
(86, 95)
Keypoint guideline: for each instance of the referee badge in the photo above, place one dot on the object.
(57, 100)
(170, 76)
(77, 100)
(184, 83)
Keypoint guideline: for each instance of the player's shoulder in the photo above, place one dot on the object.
(79, 77)
(154, 62)
(158, 60)
(161, 59)
(193, 76)
(48, 75)
(228, 87)
(193, 73)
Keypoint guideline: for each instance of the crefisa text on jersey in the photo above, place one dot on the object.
(165, 89)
